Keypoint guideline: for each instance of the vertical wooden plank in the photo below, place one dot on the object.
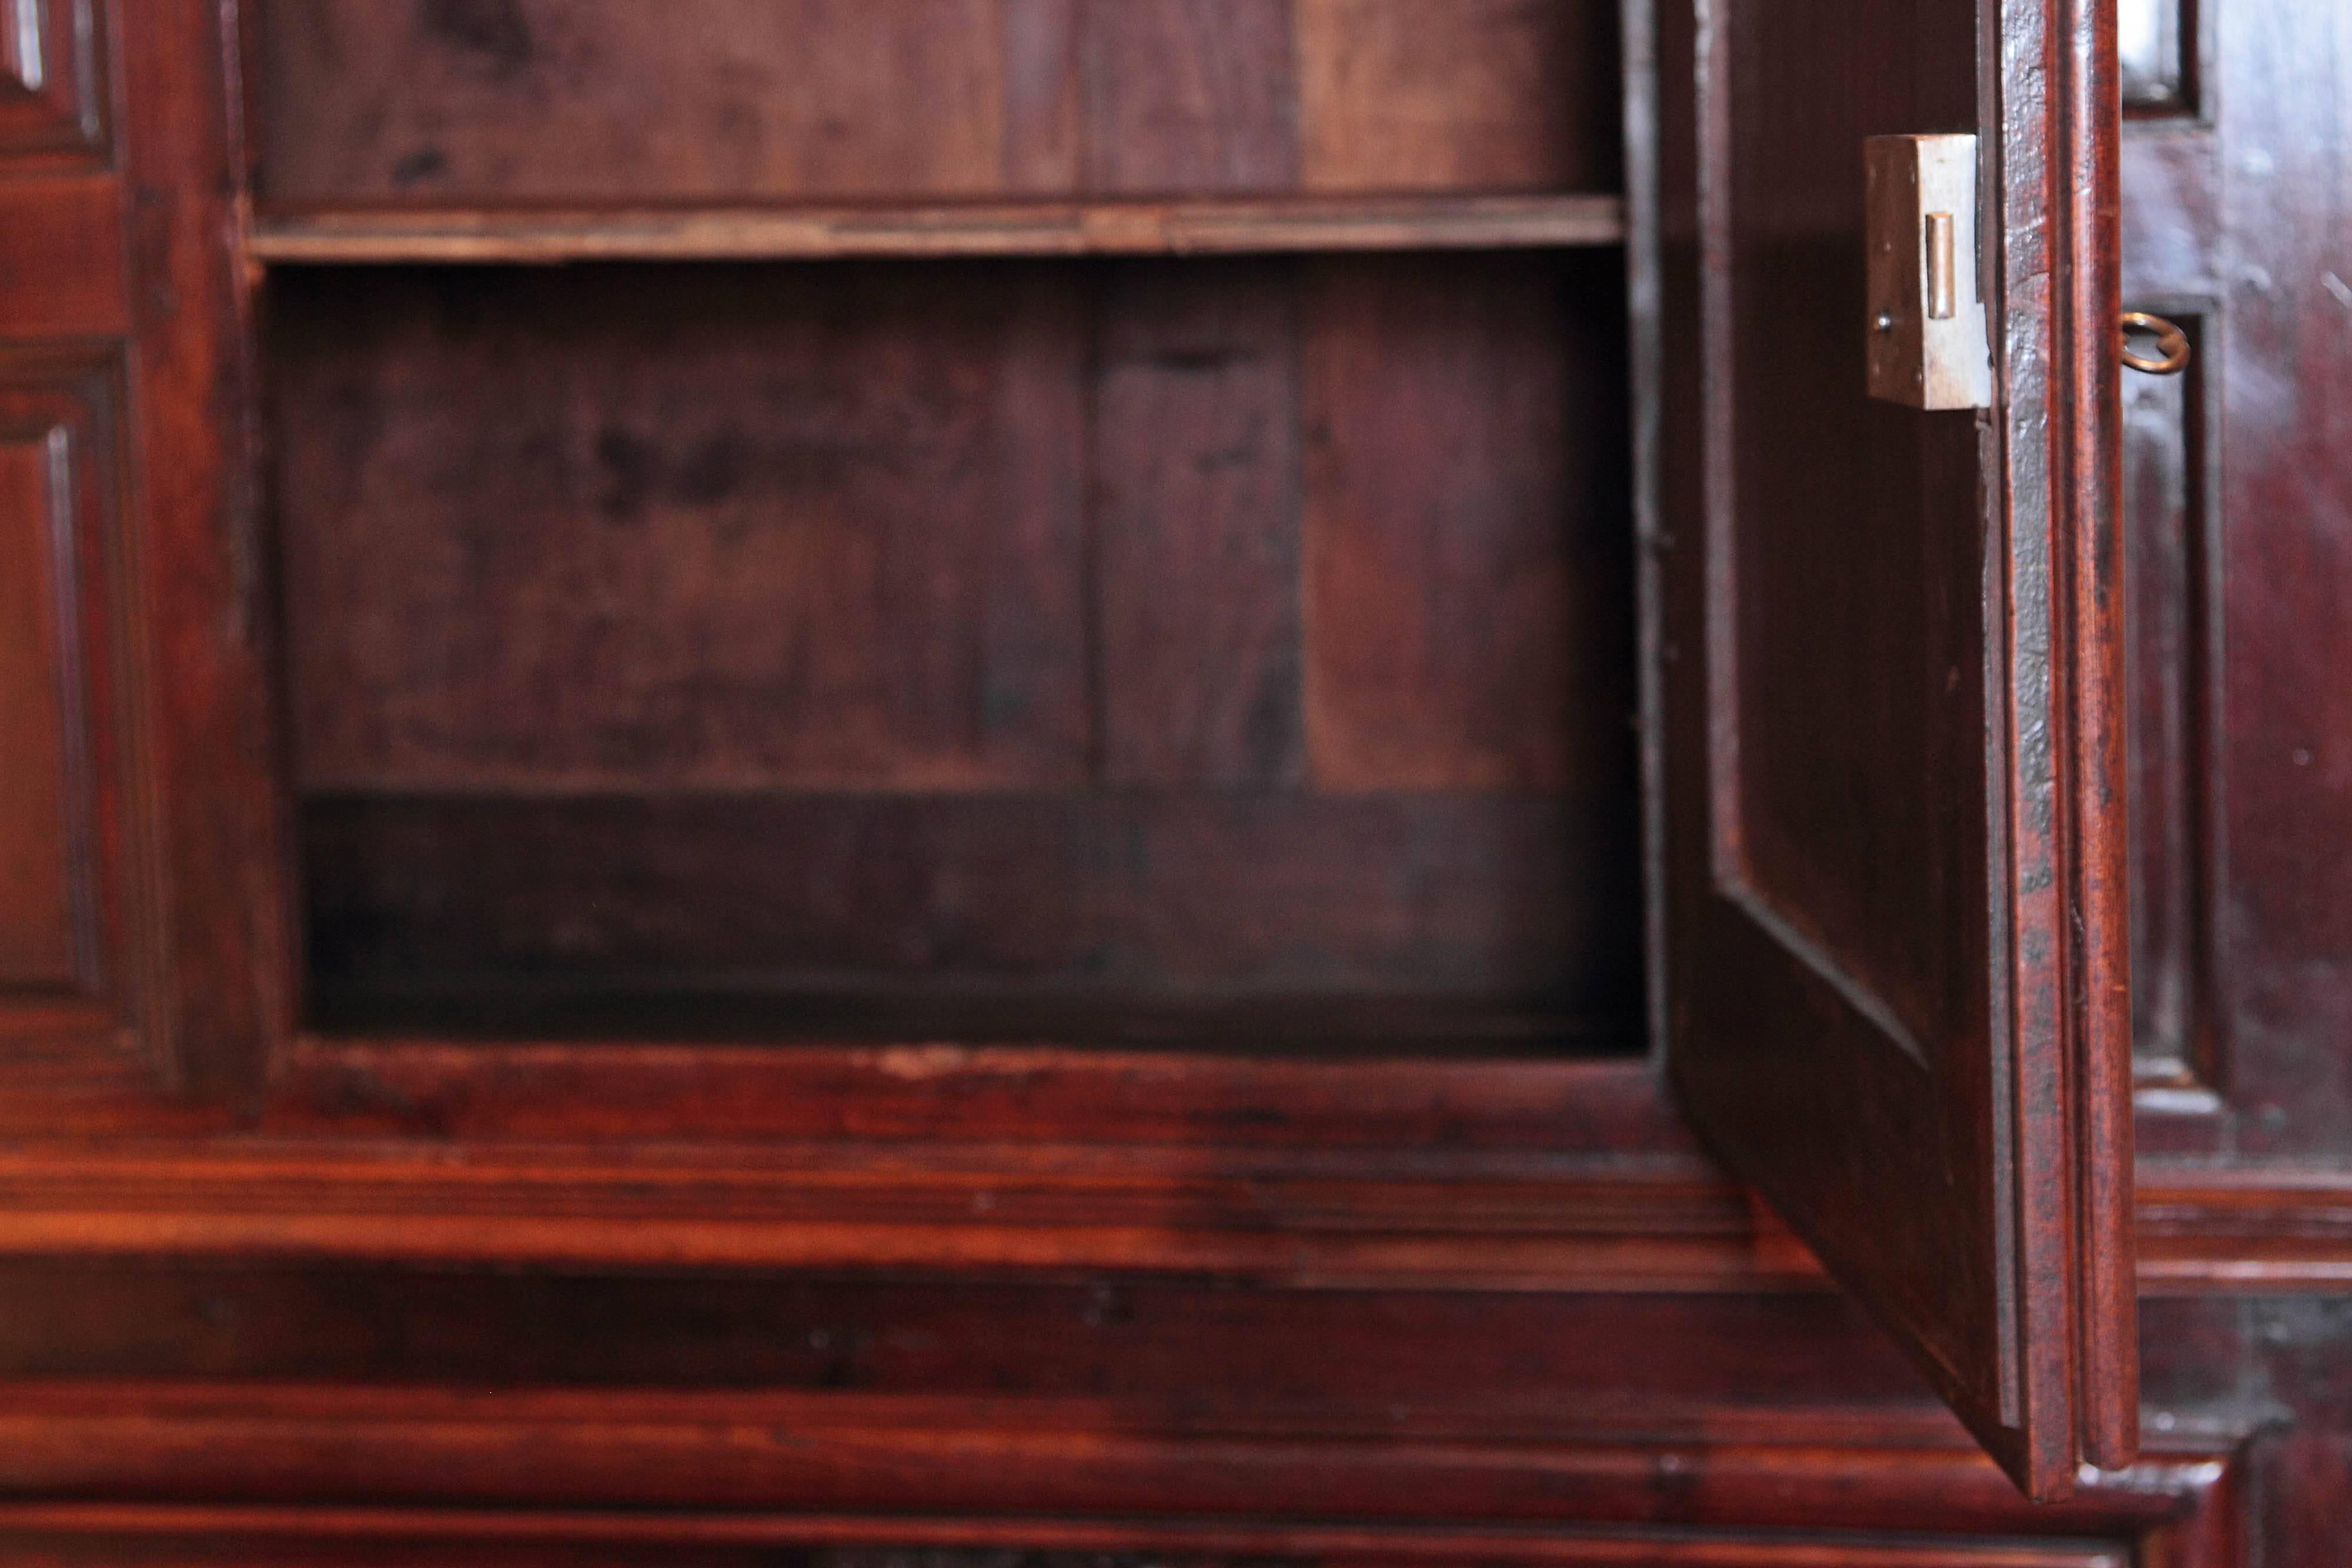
(1464, 511)
(1494, 95)
(1045, 131)
(589, 99)
(1196, 512)
(1189, 96)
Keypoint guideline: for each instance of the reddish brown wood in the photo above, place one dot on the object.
(2083, 165)
(1132, 226)
(1493, 94)
(1881, 708)
(618, 530)
(272, 1538)
(1460, 532)
(1425, 1211)
(1196, 531)
(53, 98)
(49, 925)
(528, 100)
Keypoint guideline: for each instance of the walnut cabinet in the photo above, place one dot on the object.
(1261, 647)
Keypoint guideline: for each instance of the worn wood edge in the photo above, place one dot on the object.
(1010, 229)
(561, 1457)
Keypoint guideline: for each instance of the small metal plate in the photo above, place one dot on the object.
(1925, 321)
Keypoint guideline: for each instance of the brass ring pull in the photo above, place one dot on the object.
(2171, 344)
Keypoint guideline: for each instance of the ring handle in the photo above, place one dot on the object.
(2171, 344)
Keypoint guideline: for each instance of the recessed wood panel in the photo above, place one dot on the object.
(56, 510)
(52, 97)
(43, 923)
(2171, 566)
(591, 101)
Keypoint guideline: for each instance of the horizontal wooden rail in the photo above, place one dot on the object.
(1257, 225)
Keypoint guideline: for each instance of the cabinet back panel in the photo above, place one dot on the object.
(1141, 639)
(604, 102)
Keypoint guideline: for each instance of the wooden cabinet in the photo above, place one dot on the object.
(1173, 777)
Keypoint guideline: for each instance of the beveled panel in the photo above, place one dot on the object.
(56, 519)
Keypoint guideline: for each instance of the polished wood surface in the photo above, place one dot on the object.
(1889, 647)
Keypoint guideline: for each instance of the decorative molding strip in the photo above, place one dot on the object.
(566, 1459)
(1346, 1218)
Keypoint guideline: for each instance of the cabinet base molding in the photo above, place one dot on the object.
(550, 1476)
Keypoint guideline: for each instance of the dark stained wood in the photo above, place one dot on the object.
(47, 936)
(2169, 558)
(199, 641)
(1887, 774)
(61, 268)
(1464, 524)
(1189, 95)
(615, 530)
(1196, 526)
(1149, 904)
(476, 101)
(53, 98)
(1483, 95)
(1192, 226)
(729, 652)
(2084, 423)
(268, 1538)
(1492, 1287)
(2283, 815)
(134, 957)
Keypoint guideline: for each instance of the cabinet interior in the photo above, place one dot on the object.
(784, 642)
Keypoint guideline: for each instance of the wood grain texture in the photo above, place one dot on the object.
(489, 101)
(619, 530)
(1485, 95)
(1870, 667)
(1460, 530)
(1192, 226)
(1196, 526)
(786, 1456)
(201, 657)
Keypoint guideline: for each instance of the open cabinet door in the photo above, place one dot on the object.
(1886, 658)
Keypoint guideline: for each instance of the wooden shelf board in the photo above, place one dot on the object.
(1018, 229)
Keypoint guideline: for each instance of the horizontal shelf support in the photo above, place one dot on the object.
(1260, 225)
